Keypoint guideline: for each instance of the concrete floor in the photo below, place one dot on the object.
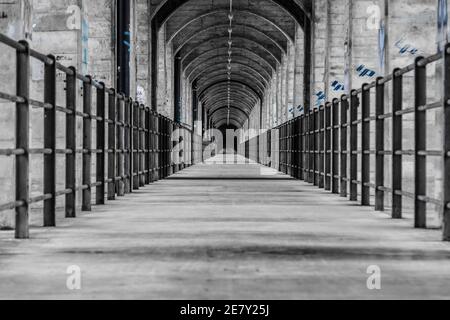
(227, 232)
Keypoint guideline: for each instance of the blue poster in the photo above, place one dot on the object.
(442, 24)
(381, 46)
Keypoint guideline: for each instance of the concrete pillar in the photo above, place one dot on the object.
(143, 81)
(299, 72)
(284, 87)
(16, 23)
(101, 46)
(319, 66)
(290, 82)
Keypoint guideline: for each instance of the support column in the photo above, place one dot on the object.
(123, 46)
(177, 89)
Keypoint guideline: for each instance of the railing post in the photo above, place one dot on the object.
(168, 147)
(148, 172)
(284, 149)
(293, 146)
(162, 147)
(315, 149)
(311, 147)
(175, 142)
(354, 104)
(136, 122)
(379, 147)
(87, 144)
(141, 145)
(296, 143)
(344, 145)
(446, 174)
(420, 219)
(335, 148)
(365, 147)
(288, 148)
(112, 145)
(307, 145)
(159, 147)
(22, 141)
(50, 143)
(101, 147)
(321, 147)
(120, 146)
(126, 137)
(397, 146)
(130, 171)
(71, 146)
(328, 146)
(153, 145)
(301, 148)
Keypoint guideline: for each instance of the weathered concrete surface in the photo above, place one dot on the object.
(222, 232)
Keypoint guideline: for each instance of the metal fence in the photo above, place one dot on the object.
(330, 146)
(137, 151)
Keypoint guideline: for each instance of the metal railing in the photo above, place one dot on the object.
(138, 149)
(330, 146)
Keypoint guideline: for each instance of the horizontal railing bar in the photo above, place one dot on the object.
(431, 106)
(11, 97)
(370, 185)
(429, 200)
(371, 85)
(41, 151)
(405, 153)
(83, 78)
(39, 104)
(385, 116)
(385, 189)
(425, 61)
(405, 194)
(386, 79)
(41, 57)
(405, 70)
(97, 84)
(11, 43)
(12, 205)
(64, 69)
(64, 110)
(63, 192)
(371, 118)
(432, 153)
(12, 152)
(64, 151)
(405, 111)
(40, 198)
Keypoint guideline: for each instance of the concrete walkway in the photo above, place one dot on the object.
(227, 232)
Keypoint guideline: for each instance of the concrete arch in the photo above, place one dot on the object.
(209, 12)
(298, 9)
(211, 94)
(248, 79)
(236, 49)
(233, 82)
(212, 112)
(256, 69)
(224, 101)
(224, 87)
(224, 26)
(264, 66)
(223, 94)
(223, 122)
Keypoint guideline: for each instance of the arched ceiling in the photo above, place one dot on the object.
(197, 30)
